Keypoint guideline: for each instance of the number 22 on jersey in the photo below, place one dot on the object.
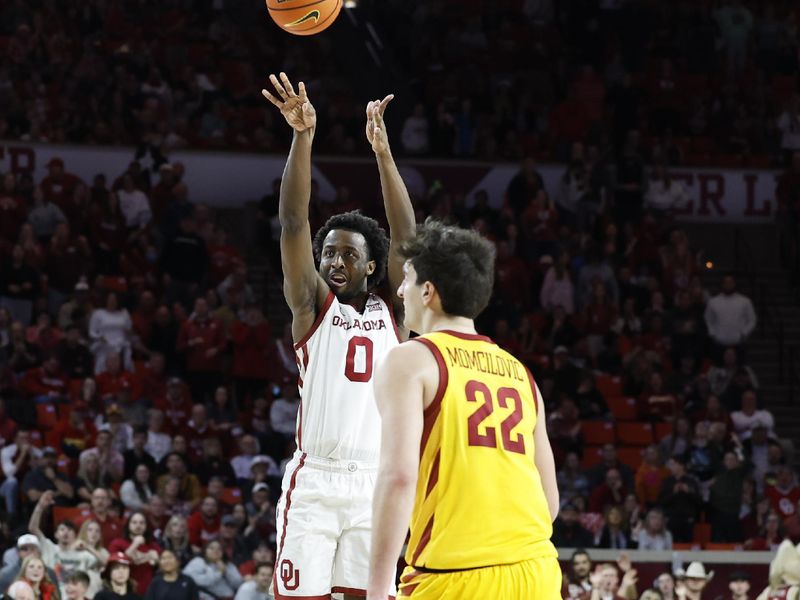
(480, 434)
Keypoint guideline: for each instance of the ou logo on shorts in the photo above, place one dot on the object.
(289, 575)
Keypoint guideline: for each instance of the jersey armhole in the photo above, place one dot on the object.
(317, 322)
(443, 375)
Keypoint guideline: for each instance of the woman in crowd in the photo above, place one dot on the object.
(118, 584)
(216, 577)
(34, 574)
(110, 331)
(136, 492)
(170, 583)
(653, 535)
(141, 550)
(572, 480)
(91, 536)
(614, 533)
(676, 443)
(176, 539)
(222, 411)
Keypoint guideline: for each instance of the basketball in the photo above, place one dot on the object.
(304, 17)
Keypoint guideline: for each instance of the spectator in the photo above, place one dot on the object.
(199, 429)
(111, 462)
(557, 288)
(614, 533)
(27, 545)
(259, 587)
(69, 554)
(21, 590)
(133, 204)
(202, 340)
(730, 318)
(184, 261)
(77, 586)
(665, 584)
(16, 460)
(222, 412)
(204, 524)
(158, 443)
(681, 500)
(138, 454)
(694, 580)
(785, 492)
(135, 493)
(283, 412)
(650, 477)
(175, 539)
(118, 585)
(92, 537)
(606, 583)
(21, 355)
(19, 287)
(572, 480)
(77, 433)
(567, 530)
(248, 449)
(578, 584)
(140, 548)
(703, 457)
(609, 460)
(189, 489)
(664, 195)
(68, 260)
(170, 583)
(596, 270)
(73, 354)
(750, 417)
(47, 478)
(110, 331)
(725, 500)
(211, 572)
(415, 137)
(34, 573)
(213, 464)
(100, 512)
(739, 585)
(676, 443)
(234, 544)
(44, 216)
(252, 354)
(611, 492)
(653, 534)
(524, 186)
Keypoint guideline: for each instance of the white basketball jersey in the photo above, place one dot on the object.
(338, 418)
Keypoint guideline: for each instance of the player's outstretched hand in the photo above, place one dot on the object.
(295, 107)
(376, 129)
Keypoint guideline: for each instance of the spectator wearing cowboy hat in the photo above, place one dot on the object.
(692, 581)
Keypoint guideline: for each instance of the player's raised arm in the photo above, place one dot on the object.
(304, 289)
(545, 463)
(400, 382)
(396, 201)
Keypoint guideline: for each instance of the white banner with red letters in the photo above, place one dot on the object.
(227, 179)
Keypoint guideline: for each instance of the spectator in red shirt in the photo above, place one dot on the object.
(252, 353)
(204, 524)
(202, 340)
(110, 524)
(143, 317)
(785, 493)
(198, 429)
(153, 378)
(112, 381)
(44, 334)
(59, 186)
(77, 432)
(610, 493)
(45, 384)
(175, 405)
(138, 545)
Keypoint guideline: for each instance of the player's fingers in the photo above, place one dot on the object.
(370, 104)
(385, 102)
(303, 94)
(287, 84)
(278, 87)
(271, 98)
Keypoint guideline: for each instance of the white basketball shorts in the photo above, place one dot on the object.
(324, 524)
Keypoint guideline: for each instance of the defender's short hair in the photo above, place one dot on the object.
(374, 234)
(458, 262)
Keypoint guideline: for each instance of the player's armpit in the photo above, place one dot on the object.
(545, 463)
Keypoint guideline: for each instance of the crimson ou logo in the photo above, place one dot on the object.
(289, 575)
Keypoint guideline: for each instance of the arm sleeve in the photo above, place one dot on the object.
(203, 574)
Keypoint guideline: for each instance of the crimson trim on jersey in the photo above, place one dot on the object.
(466, 336)
(423, 540)
(433, 478)
(533, 389)
(292, 484)
(431, 413)
(328, 301)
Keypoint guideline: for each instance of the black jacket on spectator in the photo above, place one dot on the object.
(76, 361)
(19, 275)
(185, 258)
(571, 536)
(681, 506)
(182, 589)
(133, 460)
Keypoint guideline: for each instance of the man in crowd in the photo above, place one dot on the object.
(730, 318)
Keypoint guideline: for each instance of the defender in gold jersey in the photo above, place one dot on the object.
(465, 457)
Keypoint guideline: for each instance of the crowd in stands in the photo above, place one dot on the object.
(174, 74)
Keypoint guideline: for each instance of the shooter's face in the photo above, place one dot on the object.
(345, 263)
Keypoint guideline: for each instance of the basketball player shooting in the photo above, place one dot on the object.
(465, 456)
(340, 328)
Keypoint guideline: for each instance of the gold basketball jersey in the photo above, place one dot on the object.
(479, 499)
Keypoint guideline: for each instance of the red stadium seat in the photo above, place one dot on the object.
(702, 533)
(722, 547)
(69, 513)
(592, 455)
(609, 386)
(623, 409)
(635, 434)
(631, 456)
(597, 433)
(663, 430)
(46, 416)
(232, 496)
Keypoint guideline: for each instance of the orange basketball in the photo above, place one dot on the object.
(304, 17)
